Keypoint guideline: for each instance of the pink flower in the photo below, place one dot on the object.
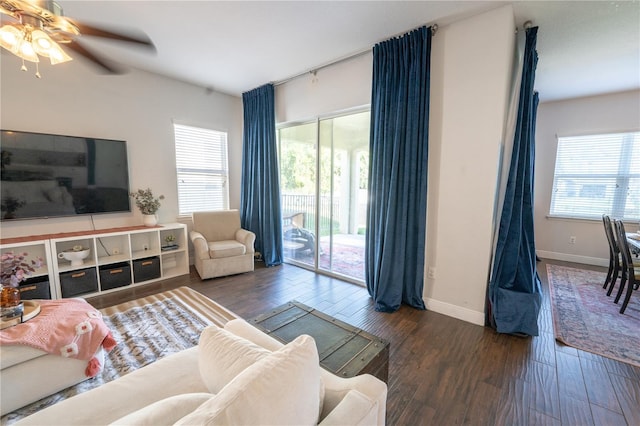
(13, 281)
(16, 269)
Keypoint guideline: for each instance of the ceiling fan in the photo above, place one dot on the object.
(41, 28)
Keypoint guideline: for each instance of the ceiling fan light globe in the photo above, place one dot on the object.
(41, 42)
(57, 55)
(10, 37)
(26, 52)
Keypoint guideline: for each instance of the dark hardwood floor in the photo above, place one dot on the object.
(443, 371)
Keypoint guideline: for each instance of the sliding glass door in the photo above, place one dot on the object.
(344, 154)
(324, 166)
(298, 188)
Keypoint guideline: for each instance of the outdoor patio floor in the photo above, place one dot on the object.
(347, 259)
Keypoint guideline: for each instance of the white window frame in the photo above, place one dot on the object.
(202, 169)
(595, 175)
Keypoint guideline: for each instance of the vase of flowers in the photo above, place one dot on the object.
(15, 269)
(148, 205)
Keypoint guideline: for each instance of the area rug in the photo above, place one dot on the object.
(586, 318)
(146, 330)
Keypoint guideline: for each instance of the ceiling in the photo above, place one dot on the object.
(585, 48)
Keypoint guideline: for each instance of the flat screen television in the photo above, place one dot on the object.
(45, 175)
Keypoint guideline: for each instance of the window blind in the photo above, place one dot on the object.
(202, 169)
(596, 175)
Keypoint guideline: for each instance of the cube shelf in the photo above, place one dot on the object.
(117, 258)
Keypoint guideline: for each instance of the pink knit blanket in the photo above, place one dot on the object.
(70, 328)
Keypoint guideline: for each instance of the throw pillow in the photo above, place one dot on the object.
(223, 355)
(166, 411)
(240, 327)
(282, 388)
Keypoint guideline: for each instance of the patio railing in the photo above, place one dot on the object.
(306, 204)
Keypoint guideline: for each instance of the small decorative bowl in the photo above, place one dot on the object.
(75, 256)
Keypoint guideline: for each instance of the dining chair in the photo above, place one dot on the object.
(615, 262)
(630, 274)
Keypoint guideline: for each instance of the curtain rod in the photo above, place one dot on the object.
(313, 71)
(318, 68)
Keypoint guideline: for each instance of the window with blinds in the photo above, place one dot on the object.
(202, 168)
(596, 175)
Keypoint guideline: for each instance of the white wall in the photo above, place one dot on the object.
(138, 107)
(596, 114)
(470, 83)
(470, 79)
(340, 87)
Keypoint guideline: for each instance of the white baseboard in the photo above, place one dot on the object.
(464, 314)
(573, 258)
(475, 317)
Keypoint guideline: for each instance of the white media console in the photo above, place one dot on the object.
(118, 258)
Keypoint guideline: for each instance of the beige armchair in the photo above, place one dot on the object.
(221, 246)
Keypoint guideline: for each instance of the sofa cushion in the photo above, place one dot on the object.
(166, 411)
(282, 388)
(223, 355)
(226, 248)
(354, 409)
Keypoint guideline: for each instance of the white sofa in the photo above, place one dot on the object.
(54, 374)
(236, 375)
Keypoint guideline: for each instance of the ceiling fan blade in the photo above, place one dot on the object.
(103, 64)
(89, 30)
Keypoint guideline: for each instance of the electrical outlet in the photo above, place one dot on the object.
(116, 251)
(572, 239)
(145, 247)
(431, 272)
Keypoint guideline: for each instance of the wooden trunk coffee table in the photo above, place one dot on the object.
(344, 350)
